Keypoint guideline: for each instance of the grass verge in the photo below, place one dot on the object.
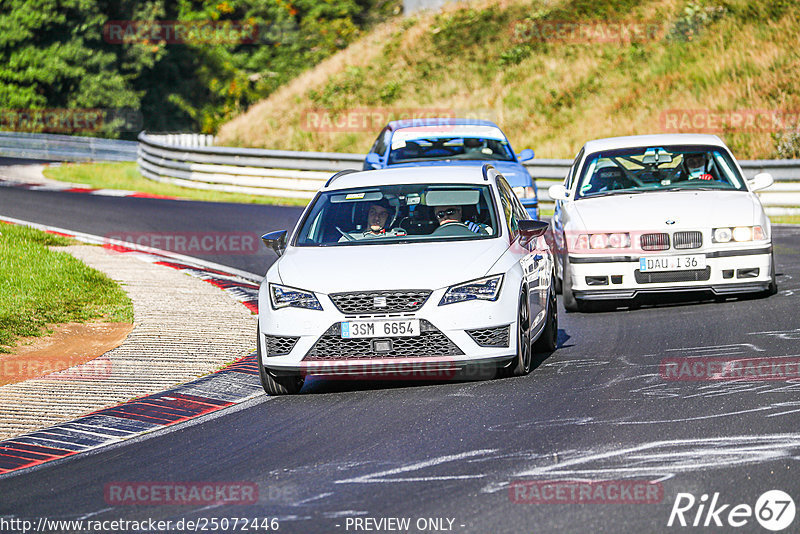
(701, 61)
(126, 176)
(785, 219)
(41, 287)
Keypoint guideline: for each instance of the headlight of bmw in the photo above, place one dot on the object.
(738, 234)
(482, 289)
(283, 297)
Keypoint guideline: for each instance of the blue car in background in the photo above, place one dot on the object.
(425, 142)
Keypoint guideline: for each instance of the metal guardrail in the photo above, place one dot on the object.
(53, 147)
(190, 160)
(279, 173)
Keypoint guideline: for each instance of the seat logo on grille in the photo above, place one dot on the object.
(379, 302)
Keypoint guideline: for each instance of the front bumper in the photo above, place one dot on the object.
(727, 272)
(314, 350)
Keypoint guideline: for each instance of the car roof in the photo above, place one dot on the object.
(437, 121)
(408, 175)
(634, 141)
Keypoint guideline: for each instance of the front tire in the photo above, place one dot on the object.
(522, 363)
(276, 384)
(773, 284)
(571, 304)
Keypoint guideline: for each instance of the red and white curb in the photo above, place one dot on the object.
(70, 188)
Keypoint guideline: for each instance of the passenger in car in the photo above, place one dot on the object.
(453, 214)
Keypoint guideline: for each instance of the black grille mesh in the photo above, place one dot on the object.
(652, 242)
(430, 342)
(687, 240)
(280, 345)
(696, 275)
(490, 337)
(364, 302)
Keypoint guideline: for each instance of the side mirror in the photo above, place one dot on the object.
(373, 160)
(530, 229)
(525, 155)
(558, 192)
(761, 181)
(276, 241)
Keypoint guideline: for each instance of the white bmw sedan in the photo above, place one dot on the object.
(404, 271)
(660, 213)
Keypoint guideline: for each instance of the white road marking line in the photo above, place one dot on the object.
(379, 476)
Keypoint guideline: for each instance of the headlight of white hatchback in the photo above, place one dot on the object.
(481, 289)
(283, 297)
(738, 234)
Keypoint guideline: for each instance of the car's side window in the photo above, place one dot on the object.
(507, 198)
(381, 142)
(572, 170)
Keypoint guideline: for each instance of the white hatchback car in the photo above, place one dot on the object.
(660, 213)
(413, 269)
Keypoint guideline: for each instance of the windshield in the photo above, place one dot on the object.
(670, 168)
(400, 213)
(457, 142)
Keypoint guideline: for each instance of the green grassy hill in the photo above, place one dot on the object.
(719, 59)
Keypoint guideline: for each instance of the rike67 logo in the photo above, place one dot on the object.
(774, 510)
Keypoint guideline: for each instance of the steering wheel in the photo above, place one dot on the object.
(453, 229)
(346, 235)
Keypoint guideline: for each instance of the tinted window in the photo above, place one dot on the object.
(667, 168)
(400, 213)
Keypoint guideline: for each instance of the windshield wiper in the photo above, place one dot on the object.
(691, 188)
(617, 192)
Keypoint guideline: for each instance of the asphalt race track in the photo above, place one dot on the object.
(596, 409)
(155, 220)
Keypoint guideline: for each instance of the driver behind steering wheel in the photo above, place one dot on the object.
(453, 214)
(379, 222)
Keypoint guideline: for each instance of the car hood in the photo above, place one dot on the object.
(650, 211)
(515, 173)
(402, 266)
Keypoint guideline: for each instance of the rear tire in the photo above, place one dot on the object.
(276, 384)
(558, 285)
(548, 339)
